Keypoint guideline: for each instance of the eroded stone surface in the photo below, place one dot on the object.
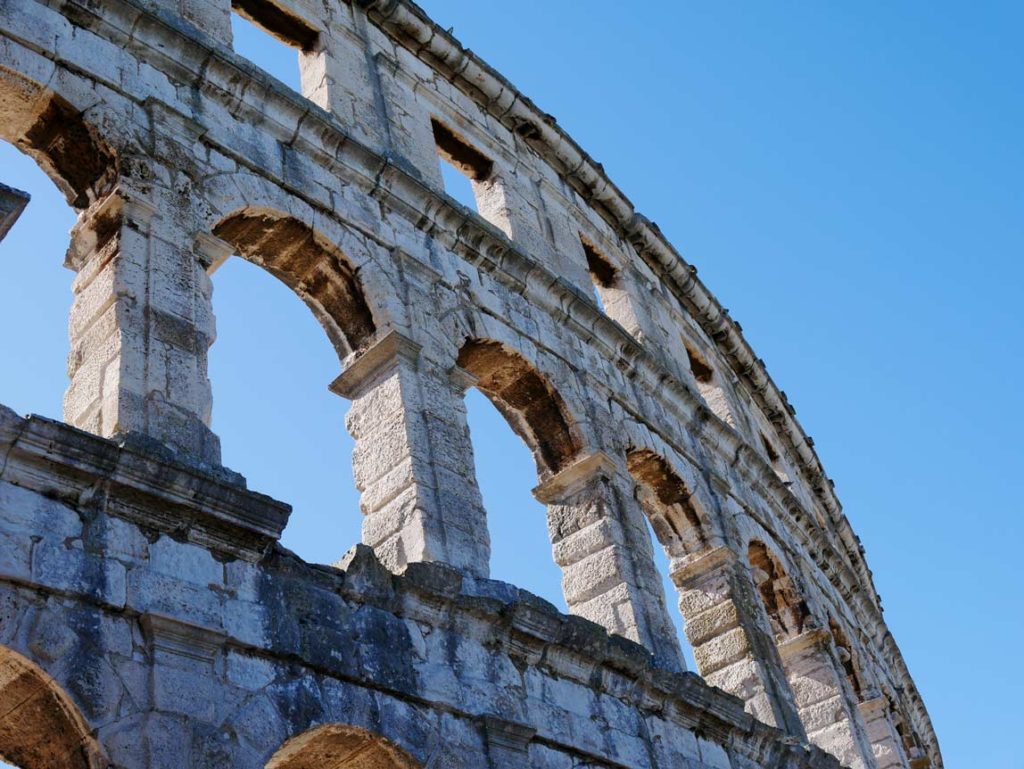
(146, 611)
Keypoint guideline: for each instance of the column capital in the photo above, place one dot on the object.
(572, 479)
(463, 379)
(212, 251)
(12, 203)
(808, 640)
(710, 561)
(381, 356)
(508, 742)
(103, 220)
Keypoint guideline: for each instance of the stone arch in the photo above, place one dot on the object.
(340, 746)
(311, 266)
(786, 608)
(40, 727)
(57, 135)
(677, 519)
(527, 400)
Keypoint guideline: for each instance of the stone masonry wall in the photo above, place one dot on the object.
(179, 154)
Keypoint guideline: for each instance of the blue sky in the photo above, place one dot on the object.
(848, 179)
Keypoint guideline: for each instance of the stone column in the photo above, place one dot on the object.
(816, 682)
(413, 462)
(601, 543)
(885, 742)
(732, 651)
(141, 325)
(186, 678)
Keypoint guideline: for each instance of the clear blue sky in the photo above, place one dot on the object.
(847, 177)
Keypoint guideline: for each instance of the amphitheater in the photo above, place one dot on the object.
(149, 618)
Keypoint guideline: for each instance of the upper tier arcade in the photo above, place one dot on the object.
(638, 395)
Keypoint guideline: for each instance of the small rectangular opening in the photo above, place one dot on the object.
(701, 371)
(460, 154)
(277, 23)
(470, 177)
(603, 274)
(272, 39)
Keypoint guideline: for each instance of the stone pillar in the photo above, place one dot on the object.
(829, 722)
(141, 325)
(732, 651)
(601, 543)
(413, 462)
(885, 742)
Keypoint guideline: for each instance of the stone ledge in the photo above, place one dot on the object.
(524, 626)
(12, 203)
(141, 483)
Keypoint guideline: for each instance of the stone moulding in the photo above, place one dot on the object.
(141, 486)
(12, 203)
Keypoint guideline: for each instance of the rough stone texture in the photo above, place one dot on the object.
(148, 618)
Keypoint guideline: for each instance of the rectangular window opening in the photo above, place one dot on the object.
(456, 151)
(272, 39)
(469, 177)
(602, 273)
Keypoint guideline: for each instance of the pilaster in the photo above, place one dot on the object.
(830, 722)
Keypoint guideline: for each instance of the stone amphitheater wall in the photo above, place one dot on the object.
(630, 383)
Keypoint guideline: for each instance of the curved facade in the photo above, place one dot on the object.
(130, 552)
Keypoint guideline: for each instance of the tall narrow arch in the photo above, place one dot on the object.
(340, 746)
(40, 727)
(311, 266)
(527, 400)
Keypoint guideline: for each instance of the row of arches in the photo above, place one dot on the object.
(41, 727)
(597, 506)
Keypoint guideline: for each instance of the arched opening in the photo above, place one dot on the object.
(786, 610)
(506, 473)
(275, 417)
(675, 526)
(513, 394)
(339, 746)
(35, 292)
(48, 150)
(56, 135)
(277, 422)
(308, 264)
(525, 398)
(40, 727)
